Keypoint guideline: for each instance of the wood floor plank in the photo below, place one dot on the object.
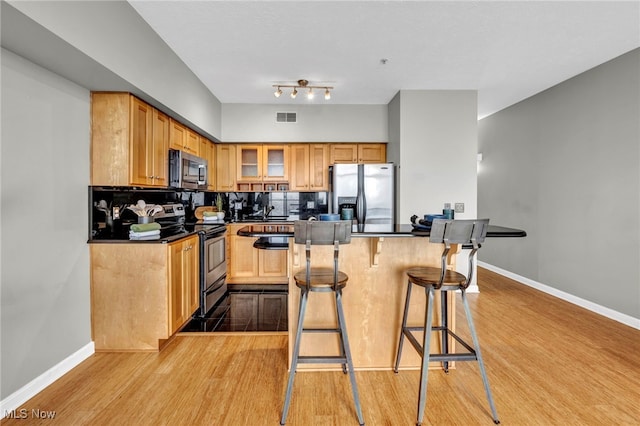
(549, 363)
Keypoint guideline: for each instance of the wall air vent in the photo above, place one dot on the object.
(286, 117)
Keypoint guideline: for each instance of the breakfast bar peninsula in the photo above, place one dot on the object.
(375, 261)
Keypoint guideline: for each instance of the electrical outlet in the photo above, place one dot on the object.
(311, 205)
(459, 207)
(447, 206)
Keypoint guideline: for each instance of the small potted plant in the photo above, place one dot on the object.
(219, 207)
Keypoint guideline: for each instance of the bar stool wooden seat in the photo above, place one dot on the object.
(314, 279)
(469, 234)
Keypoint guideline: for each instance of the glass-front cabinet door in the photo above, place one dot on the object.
(275, 163)
(249, 167)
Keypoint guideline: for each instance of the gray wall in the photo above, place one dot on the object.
(45, 259)
(315, 123)
(106, 45)
(565, 166)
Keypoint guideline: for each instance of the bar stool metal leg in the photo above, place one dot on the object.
(426, 346)
(296, 352)
(444, 322)
(478, 354)
(347, 352)
(404, 326)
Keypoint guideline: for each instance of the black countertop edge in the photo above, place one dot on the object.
(398, 230)
(160, 240)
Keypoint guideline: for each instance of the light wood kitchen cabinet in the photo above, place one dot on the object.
(183, 273)
(358, 153)
(262, 164)
(128, 141)
(309, 167)
(248, 264)
(141, 293)
(208, 152)
(225, 167)
(183, 139)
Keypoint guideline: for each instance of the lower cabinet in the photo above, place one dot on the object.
(141, 294)
(258, 311)
(248, 264)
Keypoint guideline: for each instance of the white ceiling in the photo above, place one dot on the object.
(506, 50)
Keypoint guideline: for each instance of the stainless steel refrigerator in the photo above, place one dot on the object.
(367, 188)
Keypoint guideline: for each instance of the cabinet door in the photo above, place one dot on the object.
(249, 163)
(176, 289)
(243, 260)
(275, 167)
(243, 311)
(177, 136)
(192, 142)
(272, 263)
(299, 167)
(344, 153)
(141, 138)
(184, 287)
(190, 276)
(159, 157)
(372, 153)
(272, 311)
(225, 167)
(319, 167)
(211, 163)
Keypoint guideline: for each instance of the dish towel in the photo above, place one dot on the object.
(143, 227)
(149, 238)
(144, 233)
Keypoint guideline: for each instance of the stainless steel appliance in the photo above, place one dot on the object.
(367, 188)
(213, 266)
(187, 171)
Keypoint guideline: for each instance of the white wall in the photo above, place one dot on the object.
(438, 151)
(564, 165)
(45, 314)
(315, 123)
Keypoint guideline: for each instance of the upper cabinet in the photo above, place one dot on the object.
(184, 139)
(225, 167)
(208, 152)
(358, 153)
(128, 141)
(262, 167)
(309, 167)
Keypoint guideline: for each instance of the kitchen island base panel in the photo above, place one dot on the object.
(373, 304)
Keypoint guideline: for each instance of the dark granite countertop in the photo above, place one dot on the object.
(396, 230)
(168, 234)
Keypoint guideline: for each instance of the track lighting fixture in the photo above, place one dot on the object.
(302, 84)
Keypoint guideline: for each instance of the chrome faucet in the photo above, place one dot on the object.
(266, 211)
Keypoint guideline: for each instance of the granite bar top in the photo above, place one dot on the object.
(395, 230)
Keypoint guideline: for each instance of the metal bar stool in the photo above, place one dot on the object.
(469, 234)
(322, 280)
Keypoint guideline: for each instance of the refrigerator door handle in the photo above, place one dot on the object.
(361, 200)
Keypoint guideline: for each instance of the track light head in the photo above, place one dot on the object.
(278, 92)
(327, 94)
(294, 93)
(310, 94)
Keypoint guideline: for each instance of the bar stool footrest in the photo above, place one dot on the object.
(322, 359)
(321, 330)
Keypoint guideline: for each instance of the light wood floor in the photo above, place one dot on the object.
(549, 363)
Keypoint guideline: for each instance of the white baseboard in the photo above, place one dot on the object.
(593, 307)
(35, 386)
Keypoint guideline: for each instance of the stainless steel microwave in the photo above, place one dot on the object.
(187, 171)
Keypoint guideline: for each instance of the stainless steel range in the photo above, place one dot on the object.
(213, 266)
